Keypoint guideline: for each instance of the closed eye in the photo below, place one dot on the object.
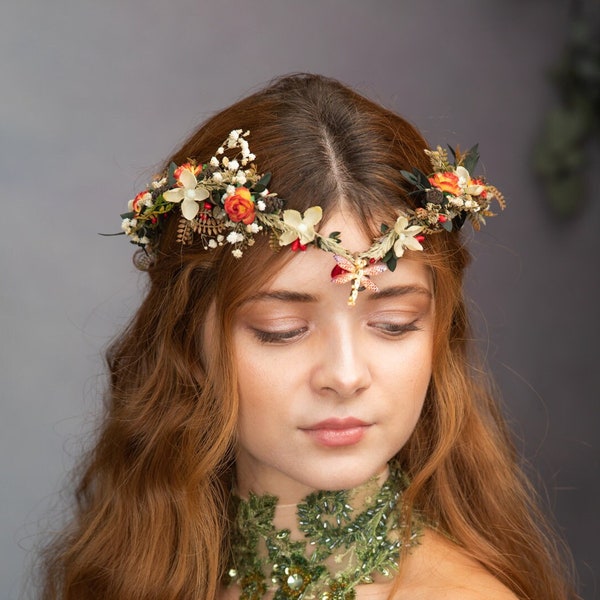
(278, 337)
(397, 329)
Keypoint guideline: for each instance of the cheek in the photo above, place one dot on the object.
(261, 393)
(410, 371)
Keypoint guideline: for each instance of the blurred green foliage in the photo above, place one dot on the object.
(561, 154)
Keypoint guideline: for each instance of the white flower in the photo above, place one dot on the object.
(474, 189)
(456, 201)
(406, 237)
(220, 150)
(189, 194)
(472, 205)
(220, 238)
(234, 165)
(237, 253)
(159, 183)
(212, 243)
(214, 161)
(463, 177)
(251, 156)
(128, 225)
(299, 227)
(261, 205)
(217, 177)
(240, 178)
(253, 228)
(144, 240)
(264, 193)
(230, 189)
(234, 237)
(234, 135)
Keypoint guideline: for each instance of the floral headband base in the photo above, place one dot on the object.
(227, 202)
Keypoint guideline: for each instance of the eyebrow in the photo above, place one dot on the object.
(399, 290)
(282, 295)
(292, 296)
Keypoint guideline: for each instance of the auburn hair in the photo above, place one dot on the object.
(150, 520)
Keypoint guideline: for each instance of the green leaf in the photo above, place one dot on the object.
(171, 174)
(390, 260)
(410, 177)
(458, 221)
(471, 159)
(264, 180)
(423, 179)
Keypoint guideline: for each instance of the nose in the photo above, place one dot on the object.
(342, 368)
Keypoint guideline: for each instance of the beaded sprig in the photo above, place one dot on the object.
(362, 543)
(227, 202)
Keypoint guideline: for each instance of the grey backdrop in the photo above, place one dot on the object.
(95, 95)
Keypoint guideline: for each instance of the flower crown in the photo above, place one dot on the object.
(227, 202)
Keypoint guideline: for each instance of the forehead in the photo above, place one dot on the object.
(309, 272)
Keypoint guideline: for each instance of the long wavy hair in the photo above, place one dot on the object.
(152, 498)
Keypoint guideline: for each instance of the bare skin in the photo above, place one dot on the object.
(439, 570)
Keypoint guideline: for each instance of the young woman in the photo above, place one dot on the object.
(294, 411)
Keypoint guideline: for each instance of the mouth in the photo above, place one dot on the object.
(338, 432)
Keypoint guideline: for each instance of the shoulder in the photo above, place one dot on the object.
(437, 569)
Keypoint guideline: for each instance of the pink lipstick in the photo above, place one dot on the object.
(338, 432)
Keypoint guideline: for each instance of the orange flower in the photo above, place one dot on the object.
(187, 167)
(139, 200)
(447, 182)
(240, 207)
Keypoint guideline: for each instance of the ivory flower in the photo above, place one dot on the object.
(189, 194)
(406, 236)
(299, 227)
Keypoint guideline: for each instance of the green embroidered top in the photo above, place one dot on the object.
(343, 545)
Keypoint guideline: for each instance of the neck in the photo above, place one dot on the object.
(329, 542)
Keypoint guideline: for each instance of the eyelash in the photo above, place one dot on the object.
(398, 329)
(281, 337)
(274, 337)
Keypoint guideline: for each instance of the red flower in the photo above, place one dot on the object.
(337, 271)
(240, 206)
(298, 245)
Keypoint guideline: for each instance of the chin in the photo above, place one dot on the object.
(346, 476)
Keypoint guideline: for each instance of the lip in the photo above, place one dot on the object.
(338, 432)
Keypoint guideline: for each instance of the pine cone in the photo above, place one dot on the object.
(434, 196)
(273, 204)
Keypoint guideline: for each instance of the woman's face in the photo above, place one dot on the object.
(329, 393)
